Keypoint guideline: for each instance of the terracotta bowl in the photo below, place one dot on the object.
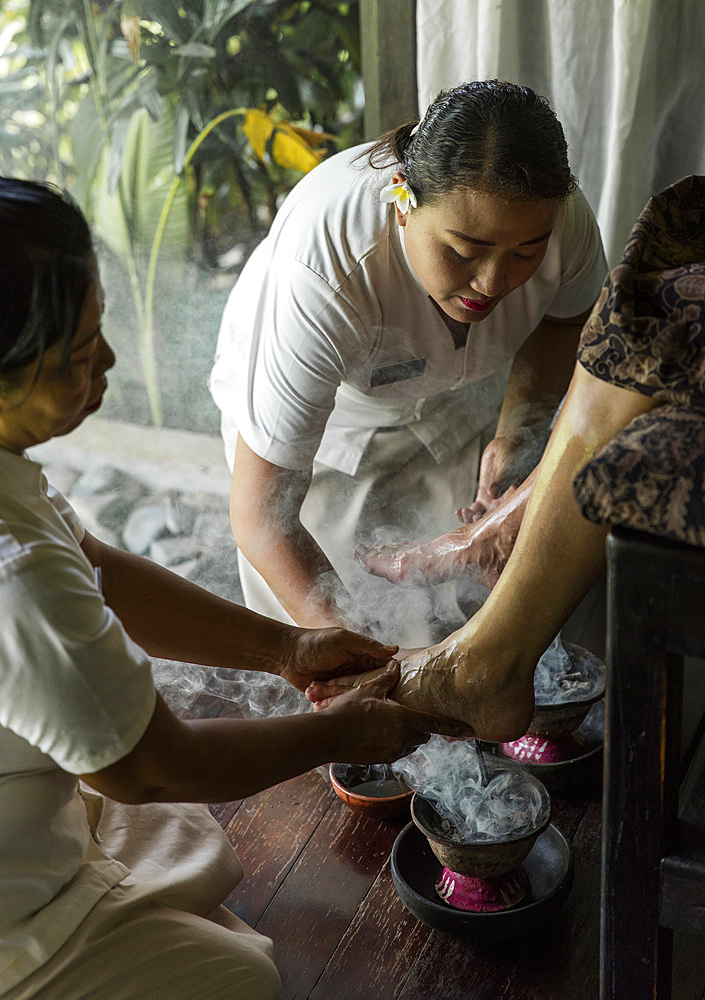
(479, 858)
(386, 798)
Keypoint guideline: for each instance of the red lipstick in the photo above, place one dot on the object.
(475, 305)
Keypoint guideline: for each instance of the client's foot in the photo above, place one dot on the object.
(479, 550)
(442, 558)
(496, 703)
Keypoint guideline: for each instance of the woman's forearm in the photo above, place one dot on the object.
(265, 509)
(540, 374)
(171, 617)
(216, 760)
(296, 570)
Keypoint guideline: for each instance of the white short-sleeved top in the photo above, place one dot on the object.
(76, 694)
(328, 334)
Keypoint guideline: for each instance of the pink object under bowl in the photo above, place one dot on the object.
(530, 749)
(483, 895)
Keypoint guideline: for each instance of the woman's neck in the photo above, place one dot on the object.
(458, 331)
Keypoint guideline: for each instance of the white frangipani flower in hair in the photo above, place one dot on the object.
(401, 194)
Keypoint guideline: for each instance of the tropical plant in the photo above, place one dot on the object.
(197, 106)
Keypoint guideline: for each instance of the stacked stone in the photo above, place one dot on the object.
(189, 531)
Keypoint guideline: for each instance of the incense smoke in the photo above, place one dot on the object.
(448, 775)
(568, 673)
(252, 693)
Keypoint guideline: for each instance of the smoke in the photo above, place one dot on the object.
(253, 694)
(448, 775)
(418, 613)
(593, 726)
(567, 673)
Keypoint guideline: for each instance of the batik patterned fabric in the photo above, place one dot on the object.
(650, 477)
(647, 330)
(647, 333)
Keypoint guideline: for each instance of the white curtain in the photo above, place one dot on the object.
(625, 77)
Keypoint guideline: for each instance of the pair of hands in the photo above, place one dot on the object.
(373, 728)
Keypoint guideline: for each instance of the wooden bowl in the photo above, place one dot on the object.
(384, 798)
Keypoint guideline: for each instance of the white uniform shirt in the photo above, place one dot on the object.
(76, 694)
(328, 334)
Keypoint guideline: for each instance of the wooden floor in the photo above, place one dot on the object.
(318, 881)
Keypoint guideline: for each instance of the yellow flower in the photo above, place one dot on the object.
(401, 193)
(288, 145)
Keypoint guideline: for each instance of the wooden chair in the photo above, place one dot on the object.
(653, 863)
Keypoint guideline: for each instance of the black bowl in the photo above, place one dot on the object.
(549, 868)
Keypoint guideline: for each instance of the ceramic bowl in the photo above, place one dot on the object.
(548, 866)
(561, 718)
(553, 719)
(387, 797)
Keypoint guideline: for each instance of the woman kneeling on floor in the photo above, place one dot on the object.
(106, 889)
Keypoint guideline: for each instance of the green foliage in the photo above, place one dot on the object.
(197, 58)
(106, 97)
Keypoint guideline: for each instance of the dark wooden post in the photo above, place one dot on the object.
(388, 47)
(642, 753)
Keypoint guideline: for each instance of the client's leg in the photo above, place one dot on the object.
(483, 673)
(479, 550)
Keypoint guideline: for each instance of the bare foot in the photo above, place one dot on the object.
(495, 703)
(479, 549)
(443, 558)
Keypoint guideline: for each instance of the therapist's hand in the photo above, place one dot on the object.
(492, 485)
(330, 652)
(374, 729)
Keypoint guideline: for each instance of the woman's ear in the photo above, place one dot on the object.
(401, 216)
(399, 178)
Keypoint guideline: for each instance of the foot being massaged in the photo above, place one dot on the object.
(478, 550)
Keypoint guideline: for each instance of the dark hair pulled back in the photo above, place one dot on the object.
(487, 135)
(47, 268)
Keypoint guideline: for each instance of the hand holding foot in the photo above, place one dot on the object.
(480, 549)
(447, 680)
(375, 729)
(328, 652)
